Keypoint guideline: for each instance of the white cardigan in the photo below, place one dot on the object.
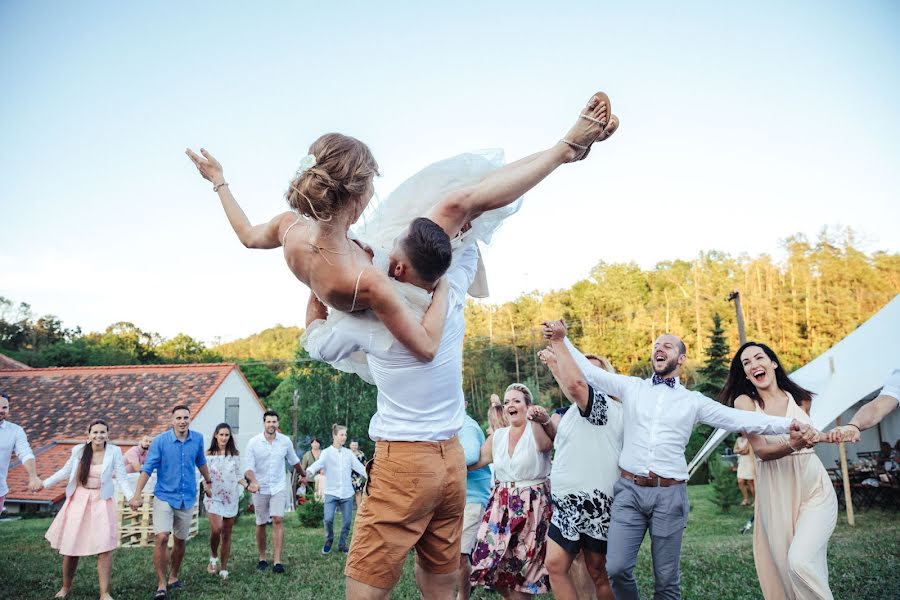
(112, 465)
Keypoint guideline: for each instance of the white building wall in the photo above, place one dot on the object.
(250, 412)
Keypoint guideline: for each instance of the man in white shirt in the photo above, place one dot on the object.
(13, 439)
(651, 493)
(264, 460)
(872, 413)
(416, 490)
(339, 463)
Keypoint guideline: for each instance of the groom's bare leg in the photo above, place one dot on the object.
(504, 186)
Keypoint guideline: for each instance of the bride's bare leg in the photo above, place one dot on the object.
(505, 185)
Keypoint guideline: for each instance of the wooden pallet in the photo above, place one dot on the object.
(136, 527)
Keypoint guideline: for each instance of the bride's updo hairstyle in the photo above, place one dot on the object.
(343, 168)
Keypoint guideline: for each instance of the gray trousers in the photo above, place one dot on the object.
(662, 510)
(332, 503)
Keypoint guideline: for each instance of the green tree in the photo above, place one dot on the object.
(714, 371)
(724, 482)
(184, 349)
(261, 378)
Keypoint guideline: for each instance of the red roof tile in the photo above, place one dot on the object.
(8, 364)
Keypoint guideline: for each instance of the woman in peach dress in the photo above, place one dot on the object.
(796, 507)
(87, 524)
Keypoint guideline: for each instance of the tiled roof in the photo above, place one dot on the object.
(56, 404)
(9, 364)
(49, 460)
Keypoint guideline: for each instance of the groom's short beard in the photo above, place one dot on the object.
(667, 369)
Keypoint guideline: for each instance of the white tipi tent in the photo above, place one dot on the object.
(850, 372)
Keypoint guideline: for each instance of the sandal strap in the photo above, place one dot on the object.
(592, 119)
(574, 145)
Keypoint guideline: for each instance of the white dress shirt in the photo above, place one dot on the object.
(338, 464)
(12, 438)
(892, 386)
(417, 401)
(659, 419)
(266, 459)
(112, 474)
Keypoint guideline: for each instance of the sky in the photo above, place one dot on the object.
(740, 125)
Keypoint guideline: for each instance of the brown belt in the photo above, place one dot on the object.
(653, 480)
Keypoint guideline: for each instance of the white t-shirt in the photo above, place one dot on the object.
(417, 401)
(892, 386)
(527, 463)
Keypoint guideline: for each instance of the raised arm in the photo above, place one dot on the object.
(420, 338)
(601, 380)
(264, 235)
(567, 374)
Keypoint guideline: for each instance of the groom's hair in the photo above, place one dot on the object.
(427, 247)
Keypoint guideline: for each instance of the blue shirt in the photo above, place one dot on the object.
(174, 462)
(478, 482)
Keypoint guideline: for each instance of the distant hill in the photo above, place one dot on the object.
(275, 343)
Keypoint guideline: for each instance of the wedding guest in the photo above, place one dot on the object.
(746, 468)
(222, 503)
(651, 494)
(796, 507)
(87, 524)
(13, 439)
(266, 454)
(309, 457)
(340, 463)
(358, 480)
(511, 544)
(136, 455)
(478, 491)
(587, 441)
(175, 455)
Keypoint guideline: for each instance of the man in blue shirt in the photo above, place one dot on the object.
(174, 455)
(478, 490)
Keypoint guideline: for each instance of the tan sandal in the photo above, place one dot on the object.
(607, 121)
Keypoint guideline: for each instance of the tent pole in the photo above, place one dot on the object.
(848, 499)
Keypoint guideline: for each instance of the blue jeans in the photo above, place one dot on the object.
(331, 505)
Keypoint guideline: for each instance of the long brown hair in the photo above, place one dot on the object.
(87, 454)
(737, 383)
(230, 448)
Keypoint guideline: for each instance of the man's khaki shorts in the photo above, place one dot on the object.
(414, 498)
(267, 506)
(170, 520)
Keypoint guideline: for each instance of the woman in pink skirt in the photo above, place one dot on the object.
(512, 540)
(87, 524)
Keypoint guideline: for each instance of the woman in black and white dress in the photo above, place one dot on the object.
(587, 440)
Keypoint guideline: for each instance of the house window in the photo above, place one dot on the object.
(232, 413)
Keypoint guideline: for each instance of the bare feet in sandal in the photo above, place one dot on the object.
(595, 123)
(62, 593)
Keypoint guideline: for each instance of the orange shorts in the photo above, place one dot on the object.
(414, 498)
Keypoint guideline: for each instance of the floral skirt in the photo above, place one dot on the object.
(512, 540)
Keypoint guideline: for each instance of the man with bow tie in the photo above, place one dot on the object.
(651, 493)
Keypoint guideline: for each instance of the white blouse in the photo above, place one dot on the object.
(527, 465)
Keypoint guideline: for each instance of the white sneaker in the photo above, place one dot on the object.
(223, 574)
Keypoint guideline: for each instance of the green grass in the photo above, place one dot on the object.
(716, 562)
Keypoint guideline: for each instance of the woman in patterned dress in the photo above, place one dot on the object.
(222, 505)
(587, 440)
(511, 542)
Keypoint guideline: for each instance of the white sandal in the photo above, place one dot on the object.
(223, 574)
(213, 565)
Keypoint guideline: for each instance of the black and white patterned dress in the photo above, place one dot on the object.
(585, 467)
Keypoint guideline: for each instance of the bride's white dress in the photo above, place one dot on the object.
(413, 198)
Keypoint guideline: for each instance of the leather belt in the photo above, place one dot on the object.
(653, 480)
(520, 484)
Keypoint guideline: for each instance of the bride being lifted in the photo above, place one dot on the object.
(332, 188)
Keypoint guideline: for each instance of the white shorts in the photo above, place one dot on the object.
(267, 506)
(471, 522)
(170, 520)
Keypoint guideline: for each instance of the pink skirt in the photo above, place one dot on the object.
(86, 525)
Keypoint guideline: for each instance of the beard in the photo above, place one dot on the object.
(666, 368)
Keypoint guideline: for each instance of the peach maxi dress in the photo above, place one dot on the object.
(796, 512)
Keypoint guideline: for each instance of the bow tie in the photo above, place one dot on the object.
(669, 381)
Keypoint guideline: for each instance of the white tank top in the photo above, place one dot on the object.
(526, 463)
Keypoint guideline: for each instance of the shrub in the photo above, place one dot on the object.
(725, 488)
(311, 513)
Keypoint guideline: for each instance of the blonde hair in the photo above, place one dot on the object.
(336, 429)
(521, 387)
(343, 171)
(497, 417)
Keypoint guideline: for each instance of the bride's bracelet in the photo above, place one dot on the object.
(216, 187)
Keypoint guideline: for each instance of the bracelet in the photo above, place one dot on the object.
(854, 425)
(216, 187)
(788, 442)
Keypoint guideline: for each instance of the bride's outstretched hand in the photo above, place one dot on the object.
(554, 330)
(209, 167)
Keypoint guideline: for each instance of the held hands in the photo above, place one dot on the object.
(538, 414)
(210, 169)
(35, 484)
(842, 433)
(136, 502)
(253, 487)
(803, 436)
(548, 357)
(554, 330)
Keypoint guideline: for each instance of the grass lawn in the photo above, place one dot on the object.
(716, 562)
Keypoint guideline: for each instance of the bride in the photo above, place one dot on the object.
(333, 186)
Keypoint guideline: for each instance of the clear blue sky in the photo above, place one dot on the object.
(740, 125)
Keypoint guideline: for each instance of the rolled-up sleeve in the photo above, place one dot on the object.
(153, 457)
(892, 386)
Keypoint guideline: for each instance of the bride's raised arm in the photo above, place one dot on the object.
(420, 338)
(264, 235)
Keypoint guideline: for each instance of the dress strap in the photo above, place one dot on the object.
(356, 290)
(284, 237)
